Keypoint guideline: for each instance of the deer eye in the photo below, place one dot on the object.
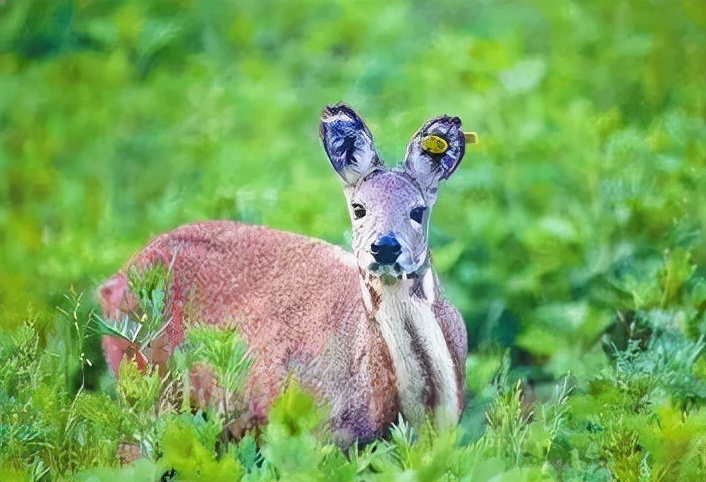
(417, 214)
(358, 210)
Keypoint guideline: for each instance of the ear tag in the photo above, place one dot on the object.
(471, 137)
(437, 145)
(434, 145)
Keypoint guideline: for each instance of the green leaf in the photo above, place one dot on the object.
(142, 470)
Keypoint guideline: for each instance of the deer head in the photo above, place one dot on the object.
(390, 207)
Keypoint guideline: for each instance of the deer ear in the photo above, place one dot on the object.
(348, 143)
(435, 152)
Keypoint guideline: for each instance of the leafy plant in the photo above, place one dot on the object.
(146, 321)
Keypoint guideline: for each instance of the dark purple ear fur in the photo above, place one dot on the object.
(348, 143)
(430, 168)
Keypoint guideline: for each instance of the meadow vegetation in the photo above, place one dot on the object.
(572, 238)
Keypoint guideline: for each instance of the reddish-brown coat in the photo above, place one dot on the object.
(312, 326)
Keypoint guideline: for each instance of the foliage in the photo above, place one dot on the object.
(150, 288)
(639, 418)
(571, 238)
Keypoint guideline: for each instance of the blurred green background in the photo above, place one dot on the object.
(586, 196)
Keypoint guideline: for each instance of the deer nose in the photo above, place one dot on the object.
(386, 249)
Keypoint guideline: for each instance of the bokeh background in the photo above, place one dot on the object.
(585, 199)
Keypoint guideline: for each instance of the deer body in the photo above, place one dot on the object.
(368, 332)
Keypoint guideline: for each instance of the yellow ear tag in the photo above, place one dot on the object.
(434, 144)
(471, 137)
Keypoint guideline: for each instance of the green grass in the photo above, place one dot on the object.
(571, 238)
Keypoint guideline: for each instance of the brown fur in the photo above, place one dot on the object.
(228, 270)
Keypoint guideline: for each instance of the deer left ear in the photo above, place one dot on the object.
(435, 152)
(348, 143)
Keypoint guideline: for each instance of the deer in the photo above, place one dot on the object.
(369, 333)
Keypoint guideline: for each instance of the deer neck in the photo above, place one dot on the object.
(423, 365)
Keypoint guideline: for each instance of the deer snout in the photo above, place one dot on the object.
(386, 249)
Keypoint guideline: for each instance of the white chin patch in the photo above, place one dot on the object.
(388, 274)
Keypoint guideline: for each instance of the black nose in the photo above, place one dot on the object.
(386, 249)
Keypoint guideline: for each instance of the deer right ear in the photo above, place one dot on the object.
(348, 143)
(435, 152)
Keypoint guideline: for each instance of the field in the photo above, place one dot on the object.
(572, 238)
